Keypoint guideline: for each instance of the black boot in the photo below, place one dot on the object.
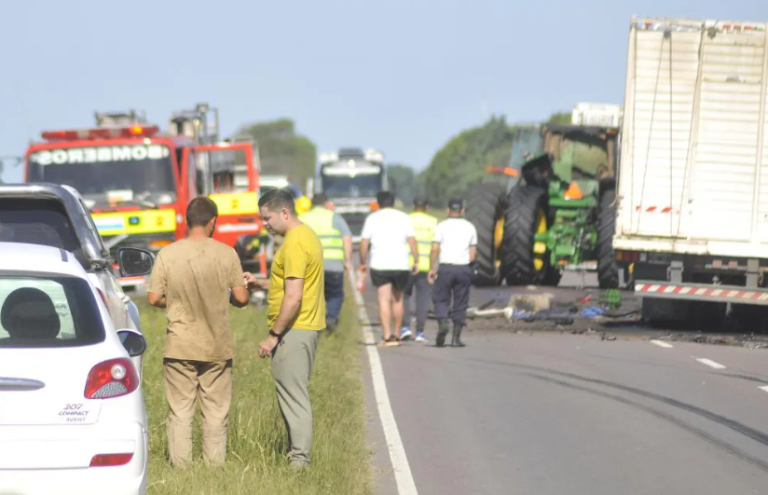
(442, 332)
(456, 340)
(331, 325)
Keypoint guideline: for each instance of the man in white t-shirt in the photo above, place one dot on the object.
(454, 248)
(390, 235)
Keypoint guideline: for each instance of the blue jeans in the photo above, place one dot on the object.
(334, 295)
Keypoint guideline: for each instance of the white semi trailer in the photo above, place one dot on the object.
(692, 216)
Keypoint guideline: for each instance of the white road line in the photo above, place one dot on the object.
(764, 388)
(403, 475)
(711, 363)
(661, 343)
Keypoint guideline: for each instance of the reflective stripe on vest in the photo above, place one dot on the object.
(424, 225)
(321, 221)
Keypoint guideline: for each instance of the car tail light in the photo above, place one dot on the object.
(104, 460)
(112, 378)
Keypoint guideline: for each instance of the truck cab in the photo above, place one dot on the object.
(351, 178)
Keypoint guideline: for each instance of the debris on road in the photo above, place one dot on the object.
(558, 316)
(531, 303)
(488, 313)
(605, 314)
(592, 311)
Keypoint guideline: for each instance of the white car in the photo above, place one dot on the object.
(72, 414)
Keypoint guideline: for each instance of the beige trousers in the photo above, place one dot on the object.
(186, 384)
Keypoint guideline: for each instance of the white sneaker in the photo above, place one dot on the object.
(406, 334)
(421, 338)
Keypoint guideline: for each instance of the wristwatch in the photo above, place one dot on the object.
(276, 335)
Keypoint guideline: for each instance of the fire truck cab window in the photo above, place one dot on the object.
(145, 172)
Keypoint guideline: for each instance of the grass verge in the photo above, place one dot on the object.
(257, 441)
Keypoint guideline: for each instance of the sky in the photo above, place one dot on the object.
(401, 76)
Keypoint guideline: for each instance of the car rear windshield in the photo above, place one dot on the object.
(46, 311)
(37, 221)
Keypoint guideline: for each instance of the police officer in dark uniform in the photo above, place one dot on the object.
(454, 248)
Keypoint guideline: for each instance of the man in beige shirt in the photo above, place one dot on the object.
(196, 279)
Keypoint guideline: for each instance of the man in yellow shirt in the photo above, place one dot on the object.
(296, 316)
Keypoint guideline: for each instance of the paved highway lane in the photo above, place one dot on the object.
(552, 413)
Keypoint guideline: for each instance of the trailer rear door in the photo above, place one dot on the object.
(694, 156)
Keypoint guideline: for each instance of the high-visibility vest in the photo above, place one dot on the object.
(321, 221)
(424, 225)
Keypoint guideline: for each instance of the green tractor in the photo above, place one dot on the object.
(557, 210)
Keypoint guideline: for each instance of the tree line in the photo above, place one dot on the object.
(460, 163)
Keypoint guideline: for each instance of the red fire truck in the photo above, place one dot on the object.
(137, 180)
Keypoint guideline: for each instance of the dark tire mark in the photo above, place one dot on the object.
(747, 431)
(739, 454)
(748, 378)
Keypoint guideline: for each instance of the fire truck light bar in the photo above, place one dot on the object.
(102, 133)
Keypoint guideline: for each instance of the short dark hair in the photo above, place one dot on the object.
(277, 199)
(200, 211)
(319, 199)
(385, 199)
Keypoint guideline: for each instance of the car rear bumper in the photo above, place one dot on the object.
(129, 479)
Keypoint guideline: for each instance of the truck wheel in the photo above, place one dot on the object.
(484, 208)
(607, 268)
(525, 261)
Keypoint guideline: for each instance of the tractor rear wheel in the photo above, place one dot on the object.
(525, 261)
(607, 268)
(484, 207)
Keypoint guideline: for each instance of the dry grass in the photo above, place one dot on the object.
(257, 441)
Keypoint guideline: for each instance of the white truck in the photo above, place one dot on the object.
(351, 178)
(597, 114)
(692, 212)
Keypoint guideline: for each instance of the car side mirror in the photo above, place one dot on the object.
(133, 341)
(134, 262)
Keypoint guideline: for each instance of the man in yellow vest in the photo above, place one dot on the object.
(336, 239)
(424, 224)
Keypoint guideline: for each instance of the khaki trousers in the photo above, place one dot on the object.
(291, 368)
(210, 384)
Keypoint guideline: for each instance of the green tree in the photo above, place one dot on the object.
(281, 150)
(560, 118)
(462, 161)
(402, 180)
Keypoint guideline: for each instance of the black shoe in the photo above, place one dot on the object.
(456, 340)
(331, 325)
(442, 332)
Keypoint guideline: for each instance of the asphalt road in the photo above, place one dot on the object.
(550, 413)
